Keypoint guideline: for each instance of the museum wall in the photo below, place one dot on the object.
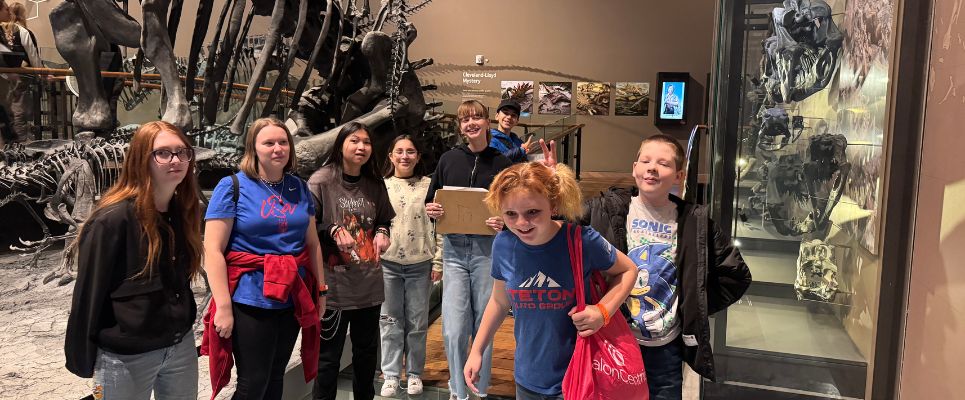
(542, 40)
(931, 363)
(571, 41)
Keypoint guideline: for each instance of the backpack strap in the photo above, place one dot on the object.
(235, 187)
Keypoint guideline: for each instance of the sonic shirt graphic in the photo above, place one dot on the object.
(652, 240)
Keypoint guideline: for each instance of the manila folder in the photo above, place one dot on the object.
(465, 211)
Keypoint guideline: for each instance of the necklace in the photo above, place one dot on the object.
(276, 183)
(268, 185)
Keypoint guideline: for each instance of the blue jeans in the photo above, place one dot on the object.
(664, 365)
(171, 373)
(526, 394)
(405, 317)
(467, 284)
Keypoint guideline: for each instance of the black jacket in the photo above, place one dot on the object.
(461, 167)
(114, 312)
(711, 271)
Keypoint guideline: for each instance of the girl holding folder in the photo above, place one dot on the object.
(466, 258)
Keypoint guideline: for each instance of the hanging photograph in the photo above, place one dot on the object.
(632, 99)
(555, 98)
(522, 92)
(592, 98)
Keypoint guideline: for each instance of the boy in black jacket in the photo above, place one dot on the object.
(687, 268)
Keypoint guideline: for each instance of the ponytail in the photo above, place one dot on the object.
(559, 187)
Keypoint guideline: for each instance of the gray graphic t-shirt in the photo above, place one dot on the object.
(652, 244)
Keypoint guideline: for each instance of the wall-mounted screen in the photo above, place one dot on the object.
(672, 98)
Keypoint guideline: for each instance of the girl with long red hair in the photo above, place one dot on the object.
(133, 308)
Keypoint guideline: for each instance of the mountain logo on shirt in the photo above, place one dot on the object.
(539, 280)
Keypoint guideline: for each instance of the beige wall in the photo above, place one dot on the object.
(933, 347)
(572, 40)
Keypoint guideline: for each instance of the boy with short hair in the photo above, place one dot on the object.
(503, 138)
(676, 288)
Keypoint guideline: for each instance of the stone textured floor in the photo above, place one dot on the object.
(33, 320)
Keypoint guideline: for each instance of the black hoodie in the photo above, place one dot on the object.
(711, 272)
(461, 167)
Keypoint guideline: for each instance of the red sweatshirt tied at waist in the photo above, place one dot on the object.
(281, 280)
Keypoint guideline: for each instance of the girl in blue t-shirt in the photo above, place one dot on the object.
(259, 224)
(532, 274)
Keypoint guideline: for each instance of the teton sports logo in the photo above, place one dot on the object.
(539, 280)
(540, 292)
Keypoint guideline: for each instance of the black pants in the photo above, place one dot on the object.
(365, 347)
(262, 343)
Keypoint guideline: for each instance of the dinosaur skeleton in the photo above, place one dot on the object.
(365, 76)
(65, 179)
(84, 29)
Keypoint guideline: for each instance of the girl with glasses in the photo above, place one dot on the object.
(131, 318)
(407, 265)
(263, 261)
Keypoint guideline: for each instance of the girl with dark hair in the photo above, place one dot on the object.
(263, 262)
(133, 309)
(353, 224)
(406, 265)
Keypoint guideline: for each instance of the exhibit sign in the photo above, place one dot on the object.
(477, 84)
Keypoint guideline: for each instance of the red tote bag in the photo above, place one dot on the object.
(606, 365)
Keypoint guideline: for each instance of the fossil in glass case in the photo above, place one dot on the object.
(802, 55)
(817, 274)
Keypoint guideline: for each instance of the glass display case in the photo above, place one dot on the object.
(799, 131)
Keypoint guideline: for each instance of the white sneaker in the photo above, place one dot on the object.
(390, 388)
(414, 386)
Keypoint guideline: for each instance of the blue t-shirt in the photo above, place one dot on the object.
(539, 284)
(268, 220)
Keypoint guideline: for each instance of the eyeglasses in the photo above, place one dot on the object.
(165, 156)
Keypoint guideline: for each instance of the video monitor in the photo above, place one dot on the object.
(672, 98)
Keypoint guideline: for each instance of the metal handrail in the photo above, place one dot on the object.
(118, 74)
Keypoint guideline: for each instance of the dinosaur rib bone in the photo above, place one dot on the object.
(292, 51)
(241, 119)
